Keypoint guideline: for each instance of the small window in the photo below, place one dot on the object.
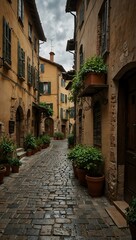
(21, 10)
(81, 55)
(72, 112)
(61, 113)
(62, 96)
(66, 98)
(30, 31)
(97, 124)
(46, 88)
(6, 42)
(21, 62)
(104, 28)
(62, 82)
(42, 67)
(81, 14)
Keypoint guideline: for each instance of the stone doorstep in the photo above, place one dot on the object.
(20, 153)
(121, 206)
(116, 216)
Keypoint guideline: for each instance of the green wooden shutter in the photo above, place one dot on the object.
(41, 87)
(19, 63)
(23, 64)
(49, 87)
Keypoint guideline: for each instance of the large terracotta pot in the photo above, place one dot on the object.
(2, 174)
(15, 169)
(132, 228)
(81, 173)
(94, 79)
(95, 185)
(7, 172)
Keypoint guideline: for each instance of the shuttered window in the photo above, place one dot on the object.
(61, 113)
(45, 88)
(97, 124)
(21, 62)
(104, 27)
(21, 10)
(62, 96)
(6, 42)
(29, 72)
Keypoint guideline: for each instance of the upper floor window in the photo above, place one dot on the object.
(21, 62)
(42, 67)
(35, 44)
(66, 98)
(81, 55)
(21, 10)
(29, 72)
(81, 14)
(6, 42)
(36, 78)
(62, 82)
(45, 88)
(30, 31)
(62, 96)
(104, 27)
(97, 124)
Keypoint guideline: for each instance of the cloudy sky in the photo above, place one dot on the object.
(58, 28)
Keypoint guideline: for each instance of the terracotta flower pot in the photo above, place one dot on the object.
(15, 169)
(94, 79)
(2, 174)
(95, 185)
(7, 172)
(81, 173)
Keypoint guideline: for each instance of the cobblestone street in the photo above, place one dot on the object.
(45, 202)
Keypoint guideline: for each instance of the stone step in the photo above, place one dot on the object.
(121, 206)
(20, 153)
(116, 216)
(19, 150)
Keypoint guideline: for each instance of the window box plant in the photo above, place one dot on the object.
(95, 172)
(15, 164)
(131, 217)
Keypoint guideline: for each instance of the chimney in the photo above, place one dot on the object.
(52, 56)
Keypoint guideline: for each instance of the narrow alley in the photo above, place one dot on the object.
(45, 202)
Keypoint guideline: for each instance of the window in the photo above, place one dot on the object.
(36, 78)
(61, 113)
(29, 72)
(45, 88)
(21, 10)
(62, 82)
(72, 112)
(103, 27)
(81, 14)
(30, 31)
(42, 68)
(66, 98)
(81, 55)
(62, 96)
(6, 42)
(35, 44)
(97, 124)
(21, 62)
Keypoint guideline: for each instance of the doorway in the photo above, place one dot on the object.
(19, 127)
(49, 126)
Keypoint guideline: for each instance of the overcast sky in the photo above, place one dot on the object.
(58, 28)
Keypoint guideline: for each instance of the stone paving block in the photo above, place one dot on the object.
(46, 230)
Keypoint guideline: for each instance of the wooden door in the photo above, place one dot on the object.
(130, 151)
(49, 126)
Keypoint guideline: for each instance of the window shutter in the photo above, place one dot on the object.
(41, 87)
(49, 87)
(4, 38)
(23, 63)
(19, 62)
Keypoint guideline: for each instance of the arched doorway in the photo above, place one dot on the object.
(49, 126)
(19, 127)
(127, 132)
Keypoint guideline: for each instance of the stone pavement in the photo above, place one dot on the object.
(45, 202)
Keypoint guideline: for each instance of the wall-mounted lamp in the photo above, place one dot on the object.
(1, 62)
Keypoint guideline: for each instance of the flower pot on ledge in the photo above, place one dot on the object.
(94, 79)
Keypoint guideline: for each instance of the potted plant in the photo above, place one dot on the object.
(2, 173)
(46, 141)
(29, 144)
(95, 172)
(131, 217)
(58, 135)
(71, 140)
(93, 71)
(15, 164)
(7, 148)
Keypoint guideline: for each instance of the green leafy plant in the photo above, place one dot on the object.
(71, 140)
(131, 212)
(59, 135)
(46, 139)
(29, 142)
(7, 148)
(93, 64)
(48, 109)
(15, 162)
